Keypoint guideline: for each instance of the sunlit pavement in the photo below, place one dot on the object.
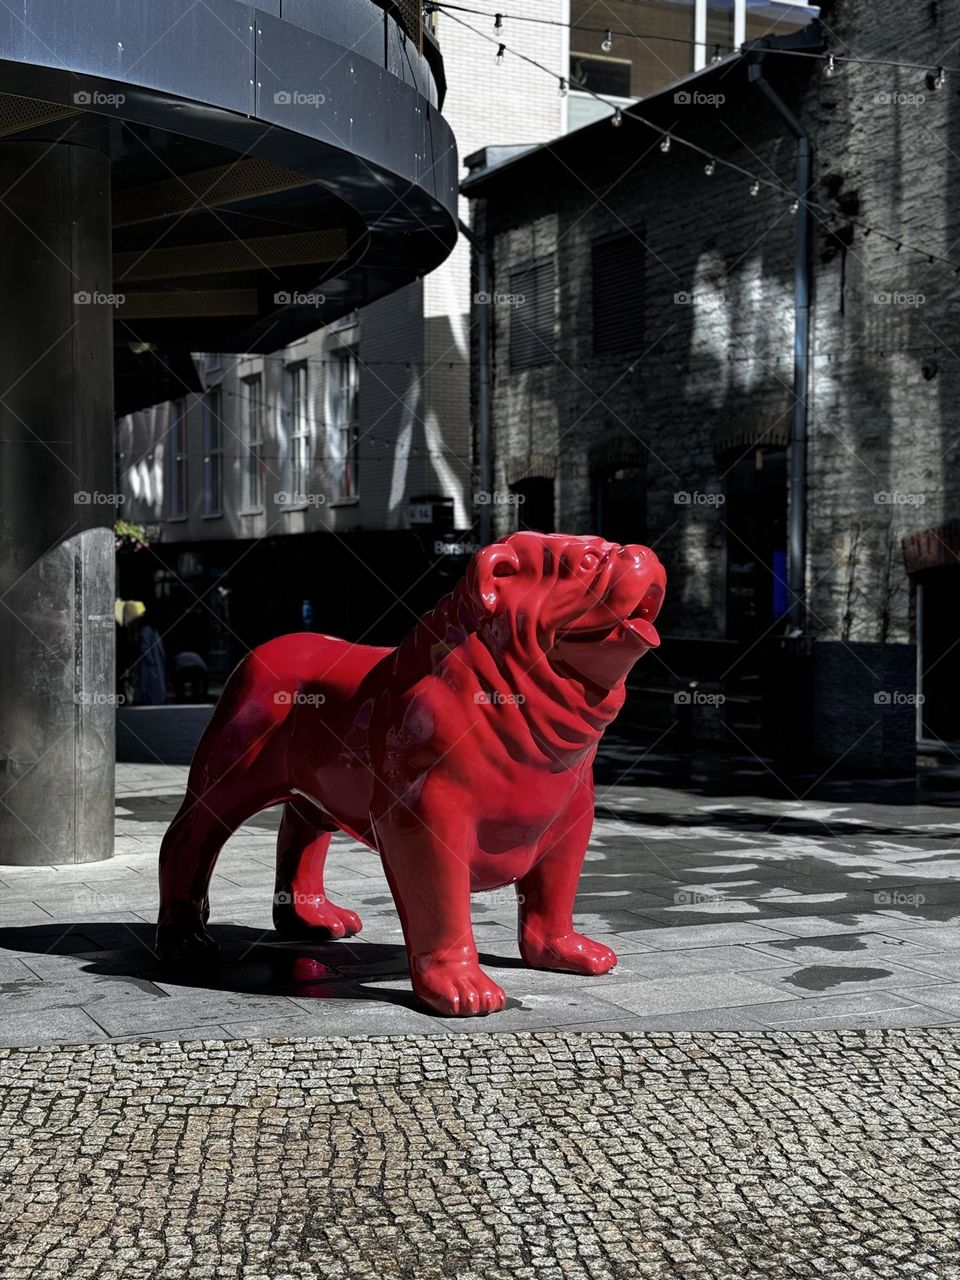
(728, 911)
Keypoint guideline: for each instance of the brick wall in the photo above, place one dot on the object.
(884, 444)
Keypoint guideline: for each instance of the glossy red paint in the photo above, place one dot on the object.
(463, 757)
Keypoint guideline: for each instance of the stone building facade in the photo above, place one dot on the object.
(643, 329)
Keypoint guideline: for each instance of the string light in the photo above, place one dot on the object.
(501, 50)
(939, 78)
(498, 22)
(606, 44)
(563, 87)
(831, 66)
(665, 143)
(832, 61)
(794, 206)
(617, 117)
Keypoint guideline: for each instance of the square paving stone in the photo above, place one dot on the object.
(693, 992)
(686, 937)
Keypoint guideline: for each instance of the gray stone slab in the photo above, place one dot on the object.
(835, 948)
(675, 964)
(942, 964)
(940, 996)
(928, 937)
(48, 1026)
(813, 926)
(193, 1009)
(850, 1006)
(692, 993)
(841, 975)
(902, 1016)
(690, 1020)
(687, 937)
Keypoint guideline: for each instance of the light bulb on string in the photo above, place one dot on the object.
(831, 66)
(755, 187)
(665, 143)
(617, 118)
(498, 22)
(710, 168)
(717, 55)
(940, 78)
(795, 205)
(501, 50)
(563, 87)
(606, 44)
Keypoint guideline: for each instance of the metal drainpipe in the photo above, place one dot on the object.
(484, 437)
(797, 455)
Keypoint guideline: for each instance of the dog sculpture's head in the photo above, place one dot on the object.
(587, 604)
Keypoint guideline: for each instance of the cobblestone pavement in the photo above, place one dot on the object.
(731, 906)
(533, 1156)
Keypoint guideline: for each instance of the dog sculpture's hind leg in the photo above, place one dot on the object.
(230, 780)
(301, 908)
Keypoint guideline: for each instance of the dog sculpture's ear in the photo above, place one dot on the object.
(487, 570)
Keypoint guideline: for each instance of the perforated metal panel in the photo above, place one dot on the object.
(18, 113)
(220, 185)
(299, 249)
(188, 303)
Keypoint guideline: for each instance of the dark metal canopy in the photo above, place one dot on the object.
(269, 174)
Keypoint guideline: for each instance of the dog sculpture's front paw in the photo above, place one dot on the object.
(185, 946)
(313, 916)
(571, 953)
(456, 988)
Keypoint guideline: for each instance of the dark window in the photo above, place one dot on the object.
(619, 504)
(534, 504)
(755, 515)
(601, 75)
(533, 308)
(618, 281)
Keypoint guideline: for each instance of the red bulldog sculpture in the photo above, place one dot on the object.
(463, 757)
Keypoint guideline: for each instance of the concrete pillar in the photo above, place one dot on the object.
(57, 503)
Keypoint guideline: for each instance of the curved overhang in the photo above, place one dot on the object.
(269, 174)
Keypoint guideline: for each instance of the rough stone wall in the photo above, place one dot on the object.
(884, 441)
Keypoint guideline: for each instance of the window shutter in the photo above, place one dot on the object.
(532, 336)
(619, 264)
